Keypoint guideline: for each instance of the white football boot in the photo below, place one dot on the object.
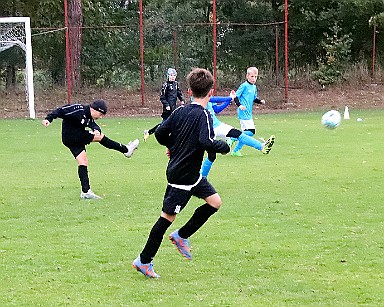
(131, 146)
(89, 195)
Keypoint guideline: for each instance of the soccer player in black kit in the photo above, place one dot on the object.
(80, 129)
(170, 91)
(187, 133)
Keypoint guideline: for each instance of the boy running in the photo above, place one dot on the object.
(187, 133)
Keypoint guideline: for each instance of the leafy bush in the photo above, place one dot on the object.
(337, 55)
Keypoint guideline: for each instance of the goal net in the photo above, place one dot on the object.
(16, 31)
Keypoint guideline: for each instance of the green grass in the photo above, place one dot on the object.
(302, 226)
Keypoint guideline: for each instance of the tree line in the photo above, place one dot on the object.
(324, 36)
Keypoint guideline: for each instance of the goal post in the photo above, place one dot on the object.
(16, 31)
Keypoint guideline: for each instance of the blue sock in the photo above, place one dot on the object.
(249, 141)
(247, 132)
(241, 143)
(238, 146)
(206, 167)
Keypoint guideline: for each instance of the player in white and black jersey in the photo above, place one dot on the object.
(188, 134)
(80, 129)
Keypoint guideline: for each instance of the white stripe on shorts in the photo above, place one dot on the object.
(185, 187)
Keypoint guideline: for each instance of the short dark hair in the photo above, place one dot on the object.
(200, 81)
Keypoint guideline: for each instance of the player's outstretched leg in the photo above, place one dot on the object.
(144, 268)
(127, 150)
(244, 139)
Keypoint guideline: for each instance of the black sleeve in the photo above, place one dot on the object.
(257, 100)
(237, 101)
(180, 93)
(162, 132)
(92, 124)
(220, 146)
(58, 113)
(163, 98)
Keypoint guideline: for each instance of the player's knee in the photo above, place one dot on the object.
(82, 159)
(169, 217)
(214, 201)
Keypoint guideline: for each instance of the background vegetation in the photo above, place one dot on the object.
(326, 38)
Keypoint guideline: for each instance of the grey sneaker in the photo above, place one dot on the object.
(89, 195)
(267, 145)
(131, 146)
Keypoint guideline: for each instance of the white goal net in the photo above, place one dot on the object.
(16, 31)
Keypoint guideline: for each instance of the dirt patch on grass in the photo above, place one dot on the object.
(124, 103)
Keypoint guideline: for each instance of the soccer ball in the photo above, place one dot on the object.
(331, 119)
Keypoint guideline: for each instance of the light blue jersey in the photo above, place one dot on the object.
(246, 93)
(216, 104)
(215, 120)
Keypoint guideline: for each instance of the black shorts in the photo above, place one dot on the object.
(76, 141)
(176, 199)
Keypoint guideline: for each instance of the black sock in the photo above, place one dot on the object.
(82, 170)
(106, 142)
(154, 240)
(199, 217)
(152, 130)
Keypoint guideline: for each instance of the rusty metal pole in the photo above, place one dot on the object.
(214, 39)
(374, 51)
(67, 52)
(286, 49)
(175, 57)
(142, 53)
(276, 52)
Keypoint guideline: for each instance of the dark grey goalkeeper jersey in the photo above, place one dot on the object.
(188, 133)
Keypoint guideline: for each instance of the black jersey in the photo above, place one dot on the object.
(76, 118)
(188, 133)
(170, 91)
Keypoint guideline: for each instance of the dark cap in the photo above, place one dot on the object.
(99, 105)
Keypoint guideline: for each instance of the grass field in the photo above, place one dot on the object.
(302, 226)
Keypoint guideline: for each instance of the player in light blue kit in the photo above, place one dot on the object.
(246, 97)
(215, 105)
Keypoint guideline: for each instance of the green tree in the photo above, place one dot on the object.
(110, 42)
(308, 20)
